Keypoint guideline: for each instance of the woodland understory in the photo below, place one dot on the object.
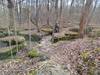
(49, 37)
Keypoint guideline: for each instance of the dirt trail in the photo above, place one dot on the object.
(45, 44)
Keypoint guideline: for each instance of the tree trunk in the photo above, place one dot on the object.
(70, 10)
(56, 10)
(56, 26)
(37, 14)
(83, 19)
(60, 15)
(11, 21)
(11, 15)
(91, 14)
(48, 13)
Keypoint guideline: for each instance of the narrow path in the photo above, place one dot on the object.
(45, 44)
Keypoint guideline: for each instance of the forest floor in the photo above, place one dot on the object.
(58, 52)
(63, 52)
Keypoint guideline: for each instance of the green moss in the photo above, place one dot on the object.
(85, 54)
(34, 37)
(47, 30)
(7, 54)
(98, 34)
(56, 39)
(95, 33)
(67, 36)
(87, 60)
(88, 30)
(74, 29)
(97, 49)
(33, 72)
(91, 70)
(13, 40)
(71, 35)
(3, 34)
(33, 53)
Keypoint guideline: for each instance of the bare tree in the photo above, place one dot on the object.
(93, 10)
(30, 45)
(84, 16)
(56, 26)
(35, 20)
(56, 10)
(70, 12)
(72, 2)
(37, 15)
(48, 11)
(11, 14)
(60, 14)
(11, 20)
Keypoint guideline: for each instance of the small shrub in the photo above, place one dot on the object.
(33, 53)
(85, 55)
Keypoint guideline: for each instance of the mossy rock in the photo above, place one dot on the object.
(96, 29)
(33, 53)
(56, 39)
(7, 54)
(88, 29)
(59, 37)
(65, 36)
(98, 33)
(71, 35)
(13, 40)
(74, 29)
(51, 68)
(3, 29)
(4, 32)
(97, 49)
(94, 33)
(35, 37)
(47, 30)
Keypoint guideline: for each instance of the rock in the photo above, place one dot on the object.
(43, 58)
(51, 68)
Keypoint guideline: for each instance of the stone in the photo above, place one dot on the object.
(51, 68)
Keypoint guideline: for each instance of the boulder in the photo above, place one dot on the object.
(50, 68)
